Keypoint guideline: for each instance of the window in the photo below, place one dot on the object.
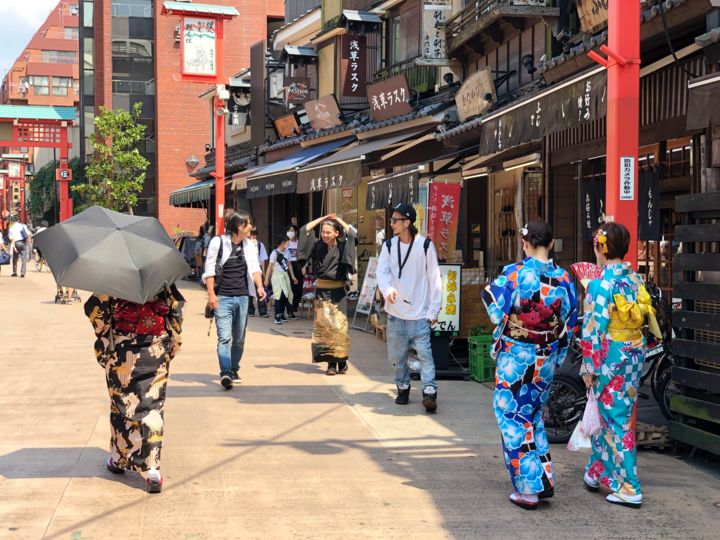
(40, 84)
(88, 14)
(58, 57)
(132, 8)
(71, 33)
(405, 33)
(73, 10)
(60, 85)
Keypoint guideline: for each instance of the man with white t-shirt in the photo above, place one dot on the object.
(409, 278)
(20, 236)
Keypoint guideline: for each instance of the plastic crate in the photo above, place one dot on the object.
(482, 366)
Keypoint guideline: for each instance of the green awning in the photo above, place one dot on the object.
(193, 194)
(199, 9)
(38, 112)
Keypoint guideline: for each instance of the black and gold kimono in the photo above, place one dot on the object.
(330, 267)
(135, 343)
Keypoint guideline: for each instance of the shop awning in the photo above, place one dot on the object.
(399, 187)
(194, 193)
(280, 177)
(239, 180)
(344, 168)
(704, 93)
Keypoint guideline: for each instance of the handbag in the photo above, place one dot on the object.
(4, 257)
(218, 267)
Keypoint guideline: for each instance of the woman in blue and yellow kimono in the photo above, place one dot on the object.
(534, 305)
(616, 309)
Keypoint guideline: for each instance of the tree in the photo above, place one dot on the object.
(116, 175)
(44, 194)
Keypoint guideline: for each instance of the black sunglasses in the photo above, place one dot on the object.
(396, 219)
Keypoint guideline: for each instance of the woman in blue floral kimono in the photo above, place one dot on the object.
(534, 305)
(616, 308)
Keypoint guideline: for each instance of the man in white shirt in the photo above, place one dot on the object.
(19, 236)
(262, 258)
(239, 280)
(409, 279)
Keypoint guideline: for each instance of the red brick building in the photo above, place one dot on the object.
(132, 54)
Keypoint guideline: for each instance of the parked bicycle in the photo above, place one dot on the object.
(40, 263)
(567, 399)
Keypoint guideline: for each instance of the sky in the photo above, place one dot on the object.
(21, 19)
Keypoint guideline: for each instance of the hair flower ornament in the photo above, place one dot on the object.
(523, 230)
(601, 240)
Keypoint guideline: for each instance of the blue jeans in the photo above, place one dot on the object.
(231, 318)
(401, 335)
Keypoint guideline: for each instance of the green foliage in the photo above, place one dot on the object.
(116, 175)
(44, 190)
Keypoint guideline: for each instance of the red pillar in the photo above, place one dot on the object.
(219, 133)
(65, 208)
(23, 214)
(623, 117)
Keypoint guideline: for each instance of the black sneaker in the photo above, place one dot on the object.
(278, 320)
(284, 319)
(430, 402)
(114, 468)
(226, 381)
(236, 377)
(251, 313)
(403, 397)
(292, 316)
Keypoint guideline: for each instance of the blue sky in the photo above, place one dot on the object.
(21, 19)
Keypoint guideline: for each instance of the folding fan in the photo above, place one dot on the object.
(586, 272)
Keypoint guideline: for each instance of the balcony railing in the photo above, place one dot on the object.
(480, 14)
(419, 78)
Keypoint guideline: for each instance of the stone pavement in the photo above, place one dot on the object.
(289, 453)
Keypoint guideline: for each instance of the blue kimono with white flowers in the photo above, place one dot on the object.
(534, 305)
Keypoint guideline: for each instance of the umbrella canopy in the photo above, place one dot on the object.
(106, 252)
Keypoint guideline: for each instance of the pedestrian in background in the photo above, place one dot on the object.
(134, 345)
(262, 259)
(617, 306)
(280, 274)
(297, 288)
(534, 305)
(20, 237)
(332, 258)
(409, 279)
(232, 275)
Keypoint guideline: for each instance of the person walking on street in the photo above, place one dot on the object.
(232, 275)
(297, 286)
(262, 259)
(409, 279)
(534, 305)
(280, 274)
(617, 306)
(20, 237)
(135, 344)
(332, 258)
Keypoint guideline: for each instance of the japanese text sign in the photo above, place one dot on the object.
(199, 47)
(389, 98)
(435, 13)
(593, 14)
(470, 99)
(627, 178)
(367, 291)
(287, 126)
(448, 321)
(323, 113)
(443, 212)
(354, 65)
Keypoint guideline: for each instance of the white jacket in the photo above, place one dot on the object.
(249, 250)
(419, 289)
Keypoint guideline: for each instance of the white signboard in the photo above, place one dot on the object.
(14, 170)
(367, 292)
(449, 318)
(199, 36)
(435, 13)
(627, 178)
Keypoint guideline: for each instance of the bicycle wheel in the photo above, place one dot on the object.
(564, 407)
(665, 390)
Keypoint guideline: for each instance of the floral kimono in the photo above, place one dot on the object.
(534, 305)
(616, 308)
(135, 343)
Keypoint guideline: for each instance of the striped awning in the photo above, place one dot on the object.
(192, 194)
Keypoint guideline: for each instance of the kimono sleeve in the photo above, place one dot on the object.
(569, 314)
(595, 324)
(98, 310)
(306, 245)
(498, 296)
(350, 251)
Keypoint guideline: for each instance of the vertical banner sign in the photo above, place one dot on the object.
(587, 202)
(198, 50)
(443, 213)
(435, 13)
(367, 291)
(421, 207)
(448, 321)
(627, 178)
(354, 65)
(649, 205)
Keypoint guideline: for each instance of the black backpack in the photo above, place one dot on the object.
(426, 245)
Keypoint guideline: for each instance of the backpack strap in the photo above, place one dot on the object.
(426, 245)
(388, 245)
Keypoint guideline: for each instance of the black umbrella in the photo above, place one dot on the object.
(107, 252)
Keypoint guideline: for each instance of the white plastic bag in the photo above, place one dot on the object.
(590, 423)
(578, 441)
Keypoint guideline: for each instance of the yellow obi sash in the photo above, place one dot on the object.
(627, 318)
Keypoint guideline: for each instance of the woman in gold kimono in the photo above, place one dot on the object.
(332, 259)
(135, 343)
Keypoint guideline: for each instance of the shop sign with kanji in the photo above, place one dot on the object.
(475, 95)
(435, 13)
(627, 178)
(354, 65)
(443, 214)
(199, 46)
(389, 98)
(323, 113)
(448, 322)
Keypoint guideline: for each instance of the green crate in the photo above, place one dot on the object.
(482, 366)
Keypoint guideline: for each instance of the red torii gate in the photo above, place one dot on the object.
(35, 126)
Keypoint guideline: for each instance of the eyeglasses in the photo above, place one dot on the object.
(396, 219)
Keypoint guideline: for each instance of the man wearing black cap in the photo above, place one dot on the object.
(409, 279)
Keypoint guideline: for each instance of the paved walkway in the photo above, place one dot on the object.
(289, 453)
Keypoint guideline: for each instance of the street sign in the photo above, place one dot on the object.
(63, 175)
(627, 178)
